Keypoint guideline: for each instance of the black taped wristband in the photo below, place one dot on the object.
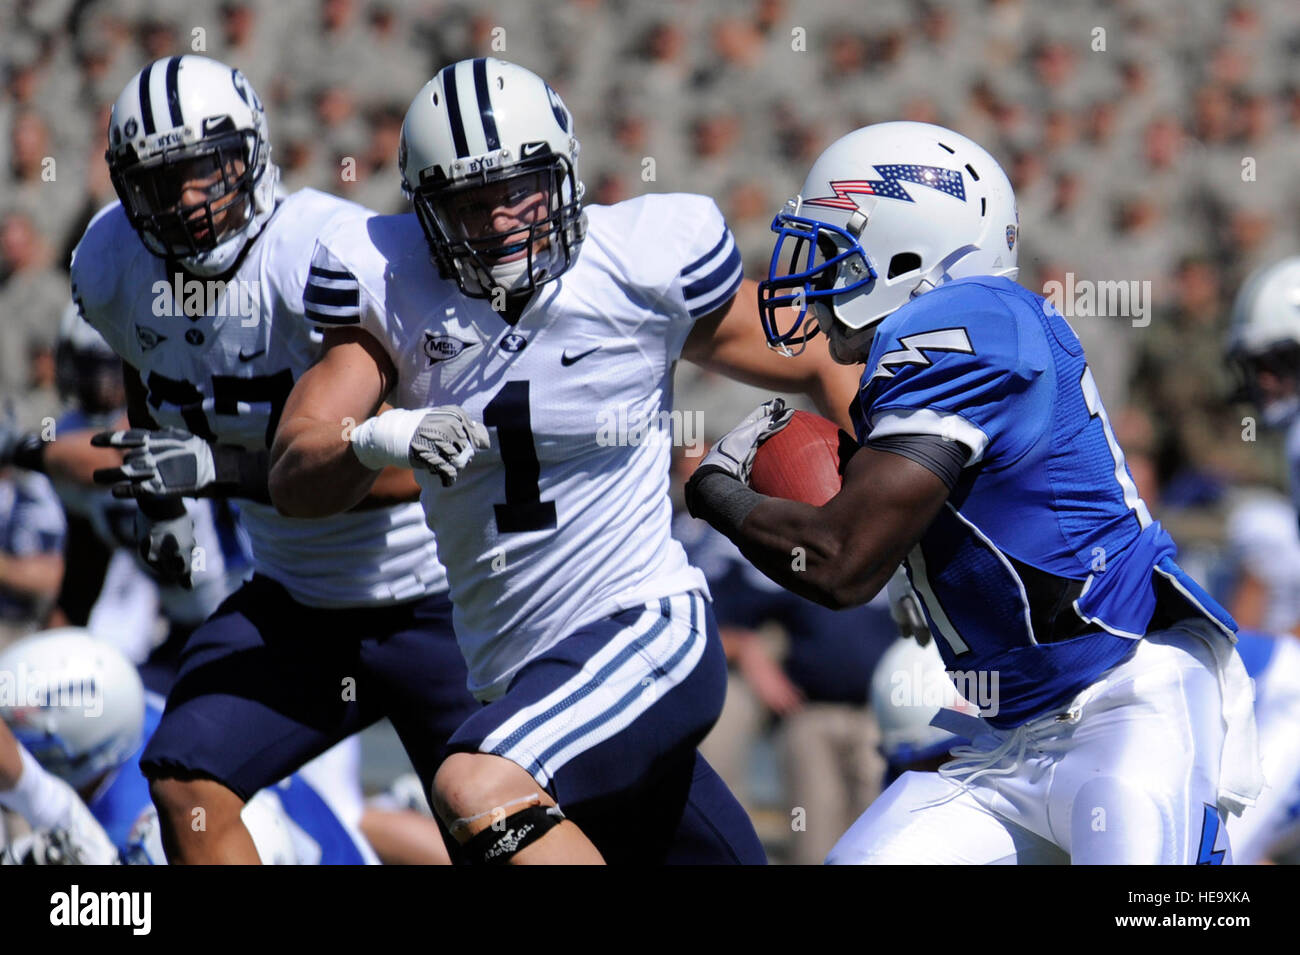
(160, 508)
(30, 453)
(715, 496)
(240, 473)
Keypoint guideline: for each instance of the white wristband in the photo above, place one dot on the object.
(386, 440)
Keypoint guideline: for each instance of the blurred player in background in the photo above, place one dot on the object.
(1264, 348)
(122, 597)
(196, 279)
(89, 730)
(60, 823)
(587, 632)
(989, 466)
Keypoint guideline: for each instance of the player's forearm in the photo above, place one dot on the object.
(830, 386)
(72, 458)
(37, 576)
(800, 548)
(314, 472)
(393, 486)
(793, 543)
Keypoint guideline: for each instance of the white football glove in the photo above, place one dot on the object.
(734, 452)
(441, 441)
(59, 847)
(167, 547)
(166, 463)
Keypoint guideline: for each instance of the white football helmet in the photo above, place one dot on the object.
(75, 702)
(489, 159)
(887, 212)
(189, 155)
(1264, 340)
(908, 687)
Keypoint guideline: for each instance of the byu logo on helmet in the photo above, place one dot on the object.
(189, 160)
(490, 163)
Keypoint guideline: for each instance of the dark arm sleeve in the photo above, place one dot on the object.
(942, 456)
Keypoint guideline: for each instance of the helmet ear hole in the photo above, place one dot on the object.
(902, 263)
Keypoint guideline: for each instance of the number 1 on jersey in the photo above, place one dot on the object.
(1092, 398)
(524, 509)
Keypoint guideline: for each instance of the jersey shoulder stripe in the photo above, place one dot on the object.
(332, 296)
(713, 278)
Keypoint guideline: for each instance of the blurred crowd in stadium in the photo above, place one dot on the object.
(1147, 140)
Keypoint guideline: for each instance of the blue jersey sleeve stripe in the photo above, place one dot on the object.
(339, 297)
(350, 318)
(726, 236)
(701, 307)
(720, 276)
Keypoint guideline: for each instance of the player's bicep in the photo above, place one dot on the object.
(884, 506)
(349, 380)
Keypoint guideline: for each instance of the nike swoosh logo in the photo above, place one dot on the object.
(566, 359)
(243, 357)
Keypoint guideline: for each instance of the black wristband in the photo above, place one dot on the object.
(240, 473)
(30, 453)
(715, 496)
(160, 508)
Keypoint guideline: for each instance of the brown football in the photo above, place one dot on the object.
(804, 461)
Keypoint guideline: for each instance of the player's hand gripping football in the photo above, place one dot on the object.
(441, 441)
(166, 463)
(734, 452)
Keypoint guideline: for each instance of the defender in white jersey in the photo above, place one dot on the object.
(196, 279)
(587, 632)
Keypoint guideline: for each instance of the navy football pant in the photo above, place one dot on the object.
(607, 721)
(267, 684)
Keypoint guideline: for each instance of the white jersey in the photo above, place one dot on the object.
(225, 375)
(565, 519)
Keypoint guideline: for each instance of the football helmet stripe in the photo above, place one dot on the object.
(173, 92)
(485, 105)
(146, 107)
(453, 111)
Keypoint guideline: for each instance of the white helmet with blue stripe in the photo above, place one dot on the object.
(189, 155)
(886, 213)
(75, 702)
(490, 161)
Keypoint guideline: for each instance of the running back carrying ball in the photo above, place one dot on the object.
(804, 461)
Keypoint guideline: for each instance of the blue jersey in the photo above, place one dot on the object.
(119, 803)
(1044, 567)
(1256, 650)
